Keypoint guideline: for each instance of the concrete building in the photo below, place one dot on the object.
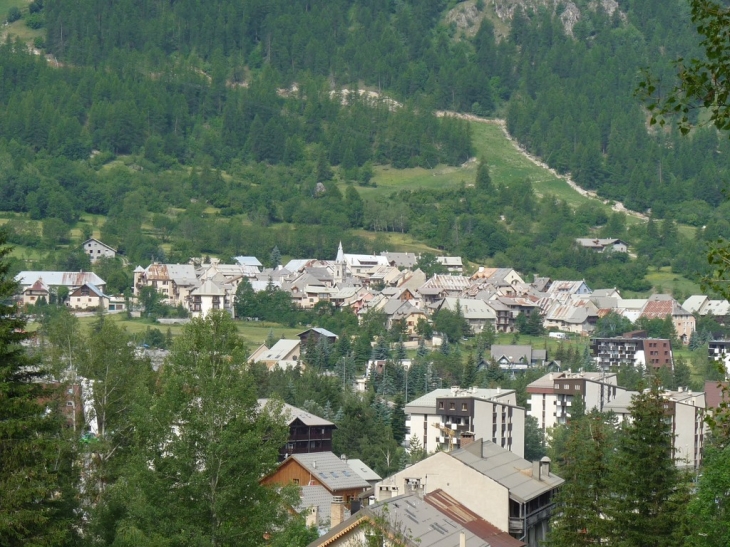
(611, 354)
(96, 249)
(513, 494)
(442, 418)
(686, 410)
(553, 396)
(719, 350)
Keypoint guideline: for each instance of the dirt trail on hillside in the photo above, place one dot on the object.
(616, 205)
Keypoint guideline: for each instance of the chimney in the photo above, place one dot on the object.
(384, 493)
(313, 516)
(343, 457)
(544, 468)
(462, 539)
(536, 470)
(337, 512)
(466, 439)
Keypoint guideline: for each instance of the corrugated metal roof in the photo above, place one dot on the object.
(481, 528)
(58, 279)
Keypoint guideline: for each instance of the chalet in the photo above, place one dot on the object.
(406, 261)
(320, 469)
(96, 249)
(518, 357)
(316, 334)
(284, 354)
(87, 296)
(35, 292)
(603, 245)
(307, 433)
(207, 297)
(452, 264)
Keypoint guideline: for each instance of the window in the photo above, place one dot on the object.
(566, 386)
(463, 407)
(441, 405)
(577, 387)
(296, 482)
(452, 406)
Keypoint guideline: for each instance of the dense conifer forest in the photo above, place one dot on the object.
(241, 128)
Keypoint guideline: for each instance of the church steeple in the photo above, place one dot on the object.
(340, 254)
(340, 265)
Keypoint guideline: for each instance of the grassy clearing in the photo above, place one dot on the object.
(255, 333)
(669, 282)
(401, 242)
(507, 165)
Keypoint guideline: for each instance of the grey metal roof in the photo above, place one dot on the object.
(292, 413)
(362, 469)
(506, 468)
(57, 279)
(331, 471)
(248, 261)
(319, 497)
(434, 521)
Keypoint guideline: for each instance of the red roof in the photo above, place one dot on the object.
(471, 521)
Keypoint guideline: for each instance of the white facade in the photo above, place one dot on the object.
(686, 410)
(95, 250)
(553, 396)
(439, 418)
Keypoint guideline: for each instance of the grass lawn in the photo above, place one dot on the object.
(255, 333)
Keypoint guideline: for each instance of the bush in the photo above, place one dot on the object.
(13, 14)
(39, 42)
(34, 21)
(35, 6)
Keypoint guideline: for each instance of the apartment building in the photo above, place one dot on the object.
(719, 350)
(552, 397)
(686, 410)
(442, 418)
(613, 353)
(515, 495)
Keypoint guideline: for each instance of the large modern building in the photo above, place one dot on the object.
(614, 353)
(552, 397)
(441, 419)
(686, 410)
(513, 494)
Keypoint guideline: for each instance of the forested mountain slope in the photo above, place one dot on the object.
(231, 108)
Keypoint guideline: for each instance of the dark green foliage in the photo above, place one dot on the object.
(534, 440)
(587, 445)
(649, 492)
(36, 477)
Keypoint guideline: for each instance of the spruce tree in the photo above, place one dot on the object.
(483, 181)
(36, 506)
(648, 489)
(581, 516)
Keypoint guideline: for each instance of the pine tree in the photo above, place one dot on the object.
(586, 468)
(648, 489)
(275, 257)
(35, 503)
(483, 182)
